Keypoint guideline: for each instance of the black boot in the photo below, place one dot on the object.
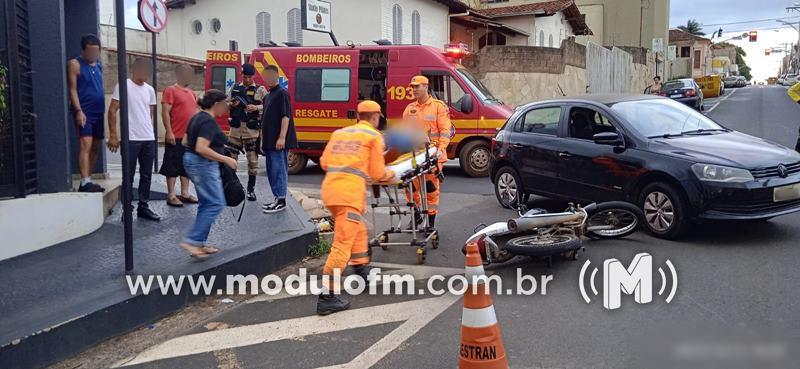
(251, 185)
(432, 220)
(330, 303)
(362, 271)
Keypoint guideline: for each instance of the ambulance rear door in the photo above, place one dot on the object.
(323, 84)
(223, 70)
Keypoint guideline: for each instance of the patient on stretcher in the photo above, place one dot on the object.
(403, 143)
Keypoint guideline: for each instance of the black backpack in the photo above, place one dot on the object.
(231, 186)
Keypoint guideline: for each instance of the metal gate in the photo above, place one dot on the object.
(18, 175)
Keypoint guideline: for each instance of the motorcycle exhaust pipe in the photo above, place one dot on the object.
(524, 224)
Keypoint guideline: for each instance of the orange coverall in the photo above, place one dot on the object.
(433, 116)
(352, 156)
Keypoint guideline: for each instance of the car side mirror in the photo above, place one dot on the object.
(466, 104)
(608, 138)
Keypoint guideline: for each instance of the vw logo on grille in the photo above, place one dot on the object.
(783, 171)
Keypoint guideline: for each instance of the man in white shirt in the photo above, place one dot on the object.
(141, 105)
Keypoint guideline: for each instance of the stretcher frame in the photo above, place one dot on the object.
(402, 212)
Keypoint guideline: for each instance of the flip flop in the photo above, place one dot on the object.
(210, 249)
(192, 253)
(188, 200)
(175, 204)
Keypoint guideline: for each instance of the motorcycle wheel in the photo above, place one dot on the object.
(537, 245)
(625, 217)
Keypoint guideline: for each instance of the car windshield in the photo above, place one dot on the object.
(664, 118)
(477, 87)
(674, 85)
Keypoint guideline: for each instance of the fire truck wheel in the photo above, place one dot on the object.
(297, 162)
(474, 158)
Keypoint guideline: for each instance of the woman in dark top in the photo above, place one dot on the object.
(205, 145)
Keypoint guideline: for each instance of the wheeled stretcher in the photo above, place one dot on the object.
(406, 217)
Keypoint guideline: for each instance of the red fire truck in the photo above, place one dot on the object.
(326, 84)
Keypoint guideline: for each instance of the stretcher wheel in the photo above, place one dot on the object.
(435, 241)
(420, 256)
(384, 238)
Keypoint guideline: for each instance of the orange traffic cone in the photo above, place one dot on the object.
(481, 344)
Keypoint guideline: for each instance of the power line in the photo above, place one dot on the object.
(749, 21)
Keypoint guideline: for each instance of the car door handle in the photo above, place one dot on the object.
(517, 146)
(564, 155)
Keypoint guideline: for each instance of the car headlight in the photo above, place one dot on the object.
(718, 173)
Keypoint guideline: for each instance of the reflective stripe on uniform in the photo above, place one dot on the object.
(347, 170)
(438, 135)
(359, 255)
(355, 217)
(477, 318)
(361, 130)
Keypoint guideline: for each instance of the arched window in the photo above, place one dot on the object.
(294, 32)
(415, 28)
(263, 28)
(541, 39)
(550, 41)
(397, 25)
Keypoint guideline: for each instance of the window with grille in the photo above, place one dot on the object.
(541, 38)
(415, 28)
(294, 31)
(397, 25)
(550, 41)
(263, 28)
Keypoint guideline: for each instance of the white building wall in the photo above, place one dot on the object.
(358, 21)
(434, 21)
(555, 25)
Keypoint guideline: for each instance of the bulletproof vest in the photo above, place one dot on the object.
(245, 95)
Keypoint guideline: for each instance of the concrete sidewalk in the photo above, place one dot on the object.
(60, 300)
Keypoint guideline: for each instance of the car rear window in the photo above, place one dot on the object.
(674, 85)
(542, 121)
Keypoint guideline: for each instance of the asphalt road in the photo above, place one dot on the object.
(736, 303)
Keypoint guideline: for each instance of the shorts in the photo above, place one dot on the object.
(94, 127)
(172, 165)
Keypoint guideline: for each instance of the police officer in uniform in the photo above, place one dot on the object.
(246, 106)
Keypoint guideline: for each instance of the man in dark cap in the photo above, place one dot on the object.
(246, 105)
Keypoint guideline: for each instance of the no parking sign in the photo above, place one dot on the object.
(153, 15)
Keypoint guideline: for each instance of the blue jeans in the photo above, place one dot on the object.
(278, 171)
(205, 175)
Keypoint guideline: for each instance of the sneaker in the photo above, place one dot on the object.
(269, 204)
(251, 195)
(330, 303)
(275, 207)
(90, 187)
(146, 213)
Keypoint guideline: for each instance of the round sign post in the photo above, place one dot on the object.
(153, 15)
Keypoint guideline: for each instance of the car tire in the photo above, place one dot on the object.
(297, 162)
(508, 188)
(474, 158)
(665, 210)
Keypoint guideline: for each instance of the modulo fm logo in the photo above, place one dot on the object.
(636, 279)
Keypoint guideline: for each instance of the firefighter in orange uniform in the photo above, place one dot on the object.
(352, 157)
(432, 116)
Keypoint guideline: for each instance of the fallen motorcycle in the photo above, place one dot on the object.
(537, 233)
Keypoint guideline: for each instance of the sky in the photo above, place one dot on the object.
(770, 32)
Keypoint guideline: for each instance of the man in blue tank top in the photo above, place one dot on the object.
(87, 99)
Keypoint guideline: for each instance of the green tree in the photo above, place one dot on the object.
(693, 26)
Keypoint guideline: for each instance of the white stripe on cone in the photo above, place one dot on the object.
(478, 318)
(472, 272)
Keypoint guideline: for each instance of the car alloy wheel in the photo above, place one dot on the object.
(659, 211)
(507, 188)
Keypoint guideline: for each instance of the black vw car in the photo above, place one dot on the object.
(675, 163)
